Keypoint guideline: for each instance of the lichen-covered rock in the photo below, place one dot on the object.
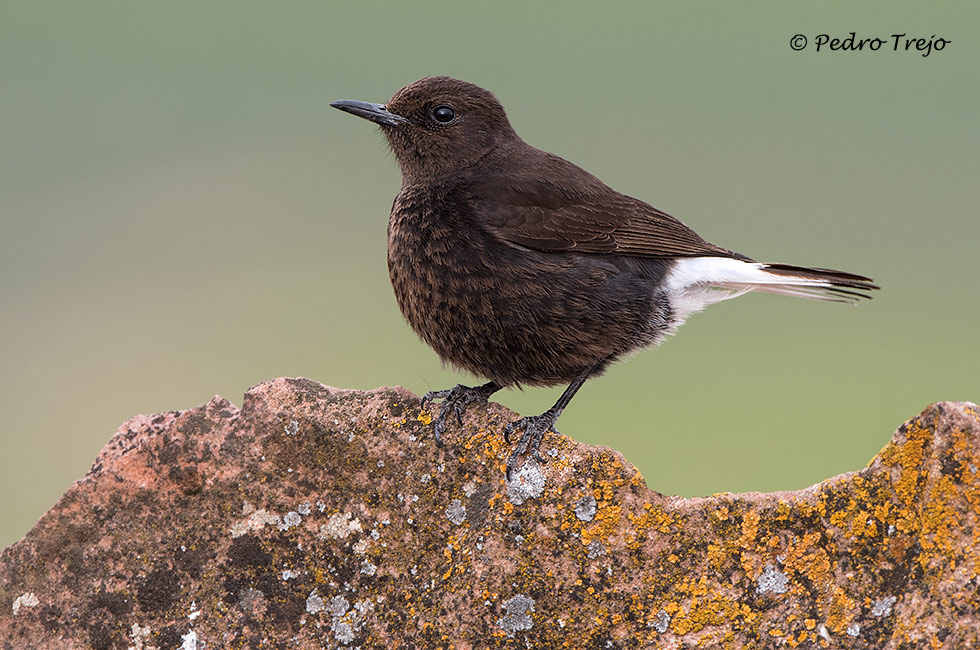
(321, 518)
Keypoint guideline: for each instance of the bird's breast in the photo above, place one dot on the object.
(440, 270)
(506, 312)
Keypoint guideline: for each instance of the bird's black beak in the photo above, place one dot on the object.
(378, 113)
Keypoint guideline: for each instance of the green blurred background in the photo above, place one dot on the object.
(182, 214)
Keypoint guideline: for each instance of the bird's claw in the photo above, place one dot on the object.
(454, 401)
(534, 429)
(457, 398)
(438, 428)
(509, 429)
(434, 394)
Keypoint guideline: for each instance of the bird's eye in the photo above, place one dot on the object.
(444, 114)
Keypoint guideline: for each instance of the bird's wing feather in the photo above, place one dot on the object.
(580, 213)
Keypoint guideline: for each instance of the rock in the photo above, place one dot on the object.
(322, 518)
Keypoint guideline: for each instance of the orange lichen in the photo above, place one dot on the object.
(810, 560)
(750, 528)
(605, 523)
(718, 555)
(709, 609)
(652, 518)
(908, 456)
(840, 611)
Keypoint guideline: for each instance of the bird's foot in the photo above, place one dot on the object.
(534, 429)
(455, 400)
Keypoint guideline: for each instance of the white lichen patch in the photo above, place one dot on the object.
(342, 630)
(585, 508)
(290, 520)
(140, 636)
(250, 599)
(883, 607)
(291, 428)
(344, 621)
(361, 546)
(456, 512)
(469, 488)
(364, 606)
(254, 521)
(338, 606)
(340, 526)
(595, 549)
(368, 569)
(343, 625)
(526, 483)
(518, 616)
(189, 641)
(26, 599)
(772, 581)
(853, 629)
(661, 622)
(314, 603)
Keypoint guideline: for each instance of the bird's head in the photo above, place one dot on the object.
(438, 125)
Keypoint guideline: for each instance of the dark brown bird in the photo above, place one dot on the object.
(518, 266)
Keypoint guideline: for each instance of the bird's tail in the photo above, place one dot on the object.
(821, 284)
(718, 278)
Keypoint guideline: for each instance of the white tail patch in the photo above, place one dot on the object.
(696, 282)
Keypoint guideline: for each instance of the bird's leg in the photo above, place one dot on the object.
(455, 399)
(536, 426)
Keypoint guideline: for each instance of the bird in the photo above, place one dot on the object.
(522, 268)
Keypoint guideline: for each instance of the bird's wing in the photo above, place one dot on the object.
(578, 213)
